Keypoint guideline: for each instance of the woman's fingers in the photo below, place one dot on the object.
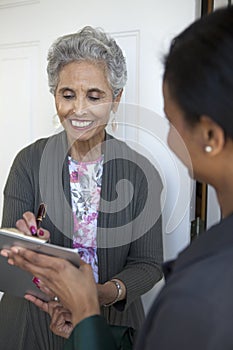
(30, 261)
(60, 317)
(29, 227)
(59, 277)
(61, 321)
(5, 252)
(22, 226)
(38, 302)
(49, 270)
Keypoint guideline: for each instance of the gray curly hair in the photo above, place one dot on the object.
(88, 44)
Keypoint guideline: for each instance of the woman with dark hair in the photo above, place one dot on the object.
(195, 308)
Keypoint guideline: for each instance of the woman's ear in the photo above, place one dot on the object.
(213, 136)
(116, 101)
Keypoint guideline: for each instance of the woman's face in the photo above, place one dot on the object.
(183, 139)
(84, 100)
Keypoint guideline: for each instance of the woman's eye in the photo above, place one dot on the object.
(94, 98)
(68, 97)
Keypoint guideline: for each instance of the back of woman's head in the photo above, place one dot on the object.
(199, 69)
(89, 44)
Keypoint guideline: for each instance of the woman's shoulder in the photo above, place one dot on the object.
(121, 148)
(36, 148)
(118, 149)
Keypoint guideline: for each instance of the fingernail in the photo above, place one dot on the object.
(33, 230)
(15, 250)
(41, 233)
(36, 281)
(4, 253)
(11, 262)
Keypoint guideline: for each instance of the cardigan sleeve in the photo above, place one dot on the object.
(18, 192)
(130, 222)
(91, 333)
(26, 187)
(143, 267)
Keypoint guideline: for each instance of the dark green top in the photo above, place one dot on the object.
(93, 333)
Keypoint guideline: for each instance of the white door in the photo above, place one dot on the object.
(142, 28)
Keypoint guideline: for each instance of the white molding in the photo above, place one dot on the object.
(19, 109)
(14, 3)
(220, 3)
(136, 63)
(129, 41)
(19, 44)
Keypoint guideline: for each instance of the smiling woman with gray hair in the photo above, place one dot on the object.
(103, 198)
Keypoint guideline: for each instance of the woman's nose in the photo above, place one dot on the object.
(80, 106)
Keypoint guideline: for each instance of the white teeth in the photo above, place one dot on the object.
(82, 124)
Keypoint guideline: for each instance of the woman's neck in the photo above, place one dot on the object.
(225, 201)
(86, 151)
(220, 176)
(224, 189)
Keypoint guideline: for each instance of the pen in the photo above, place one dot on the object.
(40, 214)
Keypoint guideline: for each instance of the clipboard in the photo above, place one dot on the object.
(18, 282)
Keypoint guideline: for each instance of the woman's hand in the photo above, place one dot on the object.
(61, 321)
(60, 317)
(43, 305)
(75, 287)
(28, 226)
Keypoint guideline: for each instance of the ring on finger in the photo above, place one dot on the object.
(56, 299)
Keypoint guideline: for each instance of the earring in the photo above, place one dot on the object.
(56, 121)
(208, 149)
(114, 125)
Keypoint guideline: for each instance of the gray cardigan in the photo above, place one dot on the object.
(129, 233)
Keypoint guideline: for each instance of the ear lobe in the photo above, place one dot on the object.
(213, 136)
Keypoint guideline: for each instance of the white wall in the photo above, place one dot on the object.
(144, 30)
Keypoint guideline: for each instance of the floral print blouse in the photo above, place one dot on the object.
(85, 185)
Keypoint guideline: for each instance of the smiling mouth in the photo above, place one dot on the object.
(81, 124)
